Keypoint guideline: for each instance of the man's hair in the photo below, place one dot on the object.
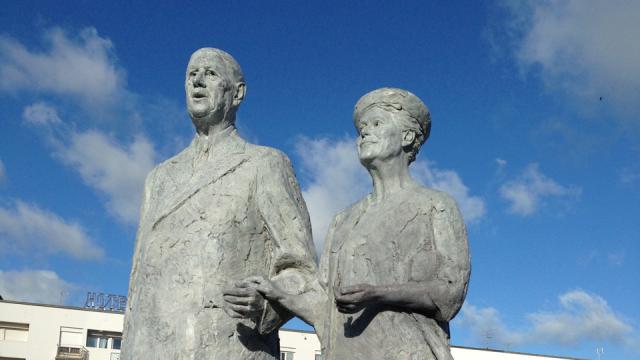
(418, 118)
(233, 68)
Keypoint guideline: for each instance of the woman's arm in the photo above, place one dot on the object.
(410, 296)
(308, 305)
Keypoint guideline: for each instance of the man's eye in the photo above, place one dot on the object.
(376, 123)
(209, 73)
(192, 74)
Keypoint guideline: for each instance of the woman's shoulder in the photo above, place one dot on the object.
(423, 196)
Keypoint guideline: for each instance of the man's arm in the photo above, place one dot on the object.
(144, 208)
(311, 305)
(292, 266)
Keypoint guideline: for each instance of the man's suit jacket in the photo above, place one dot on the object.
(219, 211)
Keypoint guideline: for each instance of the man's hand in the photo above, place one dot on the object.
(243, 300)
(266, 288)
(351, 299)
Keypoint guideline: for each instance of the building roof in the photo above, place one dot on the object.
(284, 329)
(63, 307)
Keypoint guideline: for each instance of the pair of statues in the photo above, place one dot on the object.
(224, 254)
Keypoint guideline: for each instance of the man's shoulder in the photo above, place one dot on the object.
(266, 155)
(170, 163)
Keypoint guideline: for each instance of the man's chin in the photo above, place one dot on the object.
(199, 114)
(205, 121)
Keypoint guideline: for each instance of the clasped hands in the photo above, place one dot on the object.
(246, 298)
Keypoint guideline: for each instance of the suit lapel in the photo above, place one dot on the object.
(184, 179)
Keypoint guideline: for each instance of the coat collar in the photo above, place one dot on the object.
(202, 163)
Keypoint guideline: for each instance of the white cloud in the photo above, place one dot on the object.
(41, 114)
(27, 228)
(83, 67)
(486, 325)
(115, 170)
(39, 286)
(527, 193)
(587, 48)
(337, 180)
(581, 317)
(118, 171)
(472, 207)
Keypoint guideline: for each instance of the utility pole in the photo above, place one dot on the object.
(600, 351)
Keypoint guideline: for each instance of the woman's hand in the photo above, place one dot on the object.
(351, 299)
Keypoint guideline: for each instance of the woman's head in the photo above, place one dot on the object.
(410, 113)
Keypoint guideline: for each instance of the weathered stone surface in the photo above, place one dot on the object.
(217, 212)
(397, 262)
(396, 265)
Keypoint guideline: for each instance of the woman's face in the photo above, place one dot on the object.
(380, 136)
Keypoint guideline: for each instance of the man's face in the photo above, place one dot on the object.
(380, 135)
(209, 90)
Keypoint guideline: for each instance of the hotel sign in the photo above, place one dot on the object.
(103, 301)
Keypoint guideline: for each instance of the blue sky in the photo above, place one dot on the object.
(536, 133)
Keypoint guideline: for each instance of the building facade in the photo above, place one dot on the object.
(46, 332)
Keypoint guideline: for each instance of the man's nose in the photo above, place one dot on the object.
(198, 80)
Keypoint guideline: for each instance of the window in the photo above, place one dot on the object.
(286, 355)
(318, 357)
(104, 339)
(71, 336)
(13, 331)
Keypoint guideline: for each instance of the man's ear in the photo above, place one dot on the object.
(408, 137)
(241, 90)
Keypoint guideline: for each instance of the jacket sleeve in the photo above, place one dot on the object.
(292, 265)
(453, 261)
(142, 228)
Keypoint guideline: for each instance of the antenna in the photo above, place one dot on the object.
(599, 351)
(488, 336)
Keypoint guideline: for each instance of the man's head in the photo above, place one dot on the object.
(410, 113)
(215, 88)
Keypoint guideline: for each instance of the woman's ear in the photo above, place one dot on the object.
(408, 137)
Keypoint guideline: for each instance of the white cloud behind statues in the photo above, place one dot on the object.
(39, 286)
(26, 228)
(336, 179)
(82, 67)
(580, 317)
(114, 170)
(532, 189)
(41, 114)
(587, 48)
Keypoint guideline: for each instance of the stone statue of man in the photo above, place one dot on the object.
(219, 211)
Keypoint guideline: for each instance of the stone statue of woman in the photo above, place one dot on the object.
(395, 265)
